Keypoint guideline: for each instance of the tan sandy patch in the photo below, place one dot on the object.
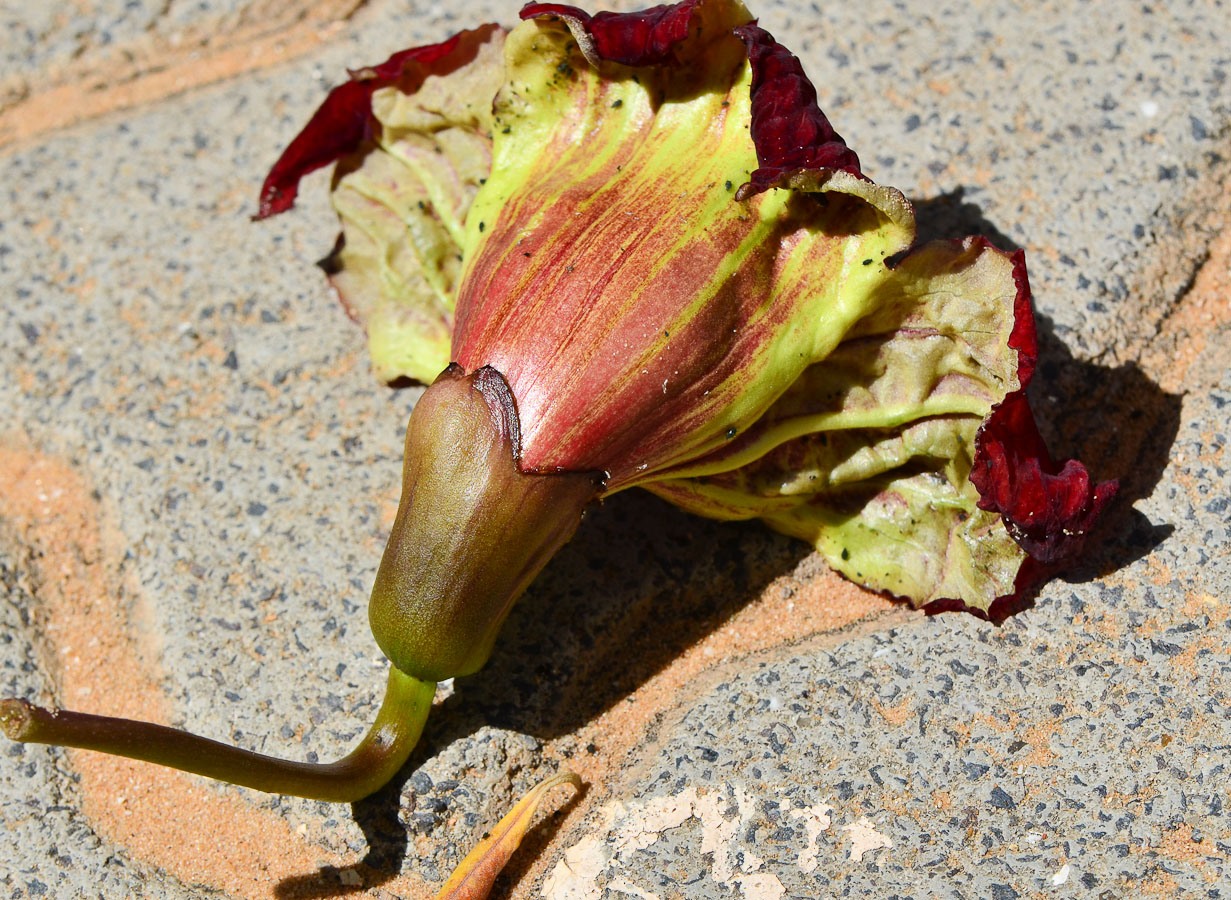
(1205, 309)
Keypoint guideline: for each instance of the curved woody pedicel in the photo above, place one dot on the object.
(608, 285)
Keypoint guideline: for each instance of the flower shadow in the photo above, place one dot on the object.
(1122, 425)
(640, 583)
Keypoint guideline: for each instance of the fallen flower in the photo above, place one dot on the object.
(740, 326)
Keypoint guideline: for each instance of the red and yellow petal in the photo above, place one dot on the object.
(641, 313)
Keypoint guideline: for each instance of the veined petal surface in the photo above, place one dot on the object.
(641, 314)
(414, 138)
(869, 455)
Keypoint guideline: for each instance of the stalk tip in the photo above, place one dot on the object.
(15, 718)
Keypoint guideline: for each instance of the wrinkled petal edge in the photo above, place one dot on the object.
(1030, 577)
(344, 121)
(790, 132)
(644, 38)
(1048, 508)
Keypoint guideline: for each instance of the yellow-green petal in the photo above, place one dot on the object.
(868, 455)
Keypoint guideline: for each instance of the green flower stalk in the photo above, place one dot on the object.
(628, 250)
(367, 768)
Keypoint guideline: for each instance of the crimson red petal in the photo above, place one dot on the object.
(788, 128)
(337, 127)
(1047, 508)
(344, 120)
(644, 38)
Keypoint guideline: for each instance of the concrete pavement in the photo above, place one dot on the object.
(199, 471)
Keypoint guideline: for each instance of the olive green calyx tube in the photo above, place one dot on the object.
(366, 769)
(472, 530)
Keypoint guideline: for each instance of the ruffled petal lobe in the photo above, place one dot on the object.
(344, 121)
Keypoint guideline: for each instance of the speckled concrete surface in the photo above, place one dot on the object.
(43, 35)
(195, 373)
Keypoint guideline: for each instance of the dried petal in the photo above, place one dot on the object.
(645, 38)
(475, 875)
(789, 130)
(344, 120)
(403, 202)
(1048, 508)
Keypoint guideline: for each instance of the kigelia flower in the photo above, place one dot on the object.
(646, 226)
